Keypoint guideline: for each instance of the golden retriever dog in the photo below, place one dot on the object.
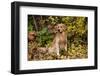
(60, 39)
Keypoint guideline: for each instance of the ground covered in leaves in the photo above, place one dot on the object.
(74, 52)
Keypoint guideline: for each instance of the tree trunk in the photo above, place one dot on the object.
(36, 27)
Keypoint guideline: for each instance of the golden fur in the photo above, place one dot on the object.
(60, 39)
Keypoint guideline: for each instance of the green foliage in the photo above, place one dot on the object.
(30, 23)
(44, 37)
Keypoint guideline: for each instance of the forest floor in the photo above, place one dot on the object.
(74, 52)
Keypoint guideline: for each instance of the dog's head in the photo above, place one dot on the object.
(60, 28)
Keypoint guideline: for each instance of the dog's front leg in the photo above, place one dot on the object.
(57, 47)
(66, 44)
(66, 47)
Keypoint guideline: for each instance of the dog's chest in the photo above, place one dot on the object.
(62, 38)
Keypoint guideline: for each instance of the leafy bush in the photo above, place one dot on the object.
(44, 38)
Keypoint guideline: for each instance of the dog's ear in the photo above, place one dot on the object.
(65, 27)
(55, 29)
